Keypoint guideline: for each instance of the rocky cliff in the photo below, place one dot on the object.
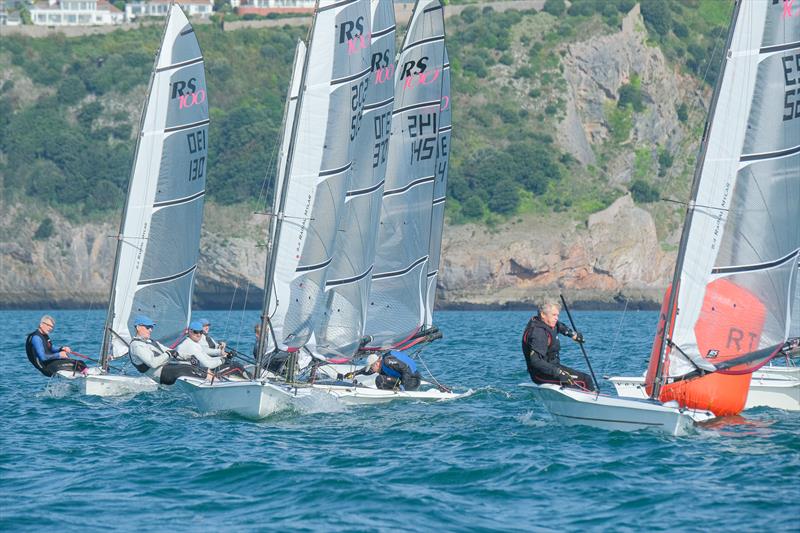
(606, 259)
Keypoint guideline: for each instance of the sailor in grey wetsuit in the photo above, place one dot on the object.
(153, 358)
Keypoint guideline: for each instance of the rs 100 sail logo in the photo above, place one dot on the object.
(187, 93)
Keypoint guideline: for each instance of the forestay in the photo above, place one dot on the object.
(341, 325)
(397, 297)
(159, 239)
(327, 120)
(742, 235)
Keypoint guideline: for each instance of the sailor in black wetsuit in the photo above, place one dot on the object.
(540, 346)
(43, 356)
(396, 371)
(156, 360)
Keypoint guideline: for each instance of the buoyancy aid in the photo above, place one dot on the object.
(32, 357)
(141, 366)
(210, 340)
(402, 357)
(553, 344)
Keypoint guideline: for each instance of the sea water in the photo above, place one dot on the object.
(491, 461)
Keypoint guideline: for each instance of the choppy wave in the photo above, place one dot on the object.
(493, 460)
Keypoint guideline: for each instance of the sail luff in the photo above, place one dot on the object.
(689, 212)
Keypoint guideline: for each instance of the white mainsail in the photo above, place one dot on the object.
(341, 326)
(308, 207)
(397, 297)
(737, 266)
(159, 238)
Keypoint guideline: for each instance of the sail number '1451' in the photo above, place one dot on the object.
(197, 143)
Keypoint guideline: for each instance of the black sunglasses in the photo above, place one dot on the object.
(196, 331)
(146, 327)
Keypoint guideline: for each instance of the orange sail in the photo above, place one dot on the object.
(730, 325)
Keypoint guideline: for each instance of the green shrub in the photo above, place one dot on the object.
(555, 7)
(643, 192)
(45, 230)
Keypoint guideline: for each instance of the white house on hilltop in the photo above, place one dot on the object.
(75, 13)
(265, 7)
(159, 8)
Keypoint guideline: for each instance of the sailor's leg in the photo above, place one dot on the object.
(386, 382)
(583, 381)
(70, 365)
(171, 372)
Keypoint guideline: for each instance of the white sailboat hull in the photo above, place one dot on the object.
(363, 390)
(249, 399)
(107, 385)
(573, 407)
(774, 387)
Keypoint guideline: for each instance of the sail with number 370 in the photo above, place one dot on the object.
(729, 306)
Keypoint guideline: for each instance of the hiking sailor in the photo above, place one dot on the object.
(154, 359)
(395, 370)
(540, 346)
(192, 349)
(207, 340)
(43, 356)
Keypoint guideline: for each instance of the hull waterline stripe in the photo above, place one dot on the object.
(381, 33)
(756, 266)
(610, 420)
(181, 64)
(355, 76)
(416, 106)
(345, 281)
(779, 47)
(178, 201)
(187, 126)
(406, 270)
(335, 171)
(368, 190)
(311, 268)
(414, 183)
(153, 281)
(770, 155)
(378, 104)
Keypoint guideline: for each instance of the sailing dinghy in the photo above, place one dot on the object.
(410, 104)
(727, 311)
(322, 118)
(159, 239)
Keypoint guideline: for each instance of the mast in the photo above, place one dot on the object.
(698, 171)
(277, 217)
(104, 355)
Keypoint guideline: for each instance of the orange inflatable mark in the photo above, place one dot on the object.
(730, 324)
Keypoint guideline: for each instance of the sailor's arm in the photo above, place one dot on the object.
(41, 350)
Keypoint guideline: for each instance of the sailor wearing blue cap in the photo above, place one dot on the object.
(152, 358)
(207, 341)
(192, 349)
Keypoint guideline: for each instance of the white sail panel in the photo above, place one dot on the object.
(439, 193)
(399, 281)
(160, 233)
(334, 87)
(743, 238)
(341, 326)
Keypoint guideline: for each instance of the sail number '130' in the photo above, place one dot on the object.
(197, 143)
